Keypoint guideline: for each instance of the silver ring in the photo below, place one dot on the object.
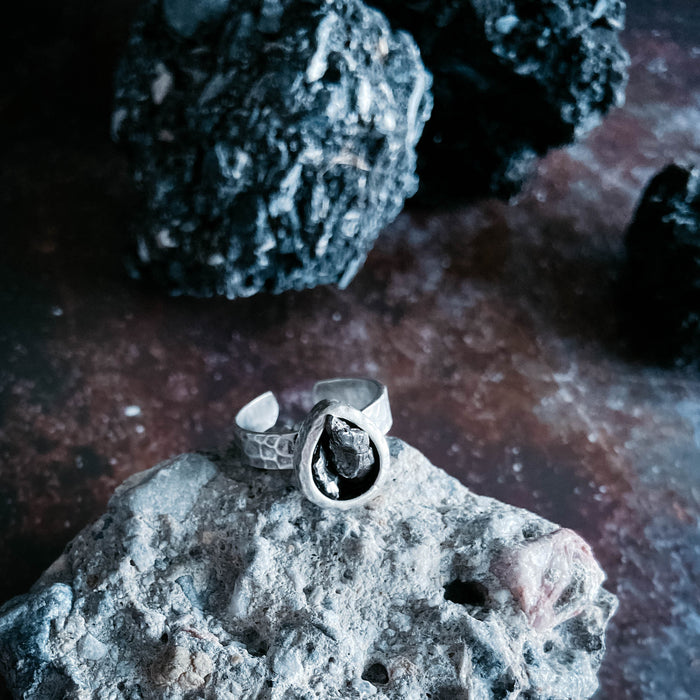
(339, 451)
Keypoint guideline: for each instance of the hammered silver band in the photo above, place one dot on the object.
(265, 448)
(339, 451)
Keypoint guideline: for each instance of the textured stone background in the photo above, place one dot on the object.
(493, 326)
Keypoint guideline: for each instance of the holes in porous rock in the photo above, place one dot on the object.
(254, 643)
(548, 646)
(376, 674)
(601, 23)
(505, 686)
(333, 73)
(164, 637)
(467, 593)
(288, 262)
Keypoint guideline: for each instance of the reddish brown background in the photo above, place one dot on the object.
(493, 326)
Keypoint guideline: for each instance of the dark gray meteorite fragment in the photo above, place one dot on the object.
(350, 448)
(345, 462)
(512, 78)
(272, 139)
(661, 282)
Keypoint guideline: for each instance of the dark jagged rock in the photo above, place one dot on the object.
(345, 461)
(661, 281)
(512, 78)
(350, 448)
(272, 140)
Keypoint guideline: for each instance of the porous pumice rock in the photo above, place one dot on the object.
(660, 285)
(272, 140)
(512, 79)
(209, 579)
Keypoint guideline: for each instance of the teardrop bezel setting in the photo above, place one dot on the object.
(307, 442)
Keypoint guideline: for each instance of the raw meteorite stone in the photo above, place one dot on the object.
(661, 283)
(272, 139)
(350, 448)
(346, 464)
(209, 579)
(512, 78)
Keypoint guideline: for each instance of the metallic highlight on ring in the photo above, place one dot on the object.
(339, 452)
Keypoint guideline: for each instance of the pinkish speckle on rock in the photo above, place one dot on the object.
(551, 578)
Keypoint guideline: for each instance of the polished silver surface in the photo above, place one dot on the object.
(339, 451)
(267, 448)
(263, 447)
(366, 395)
(309, 446)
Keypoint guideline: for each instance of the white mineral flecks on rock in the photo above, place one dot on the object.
(512, 79)
(271, 139)
(209, 579)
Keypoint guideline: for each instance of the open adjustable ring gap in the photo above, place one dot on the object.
(339, 454)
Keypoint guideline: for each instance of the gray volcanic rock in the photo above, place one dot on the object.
(272, 140)
(661, 279)
(512, 78)
(209, 579)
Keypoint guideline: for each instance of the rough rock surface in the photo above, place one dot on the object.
(272, 140)
(661, 281)
(208, 579)
(512, 78)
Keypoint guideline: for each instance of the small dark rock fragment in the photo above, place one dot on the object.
(512, 78)
(345, 461)
(350, 448)
(272, 140)
(660, 289)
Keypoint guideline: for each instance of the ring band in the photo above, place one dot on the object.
(339, 452)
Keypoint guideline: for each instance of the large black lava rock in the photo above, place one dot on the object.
(272, 139)
(661, 282)
(512, 78)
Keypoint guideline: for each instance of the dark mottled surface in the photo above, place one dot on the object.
(271, 146)
(511, 79)
(492, 324)
(660, 284)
